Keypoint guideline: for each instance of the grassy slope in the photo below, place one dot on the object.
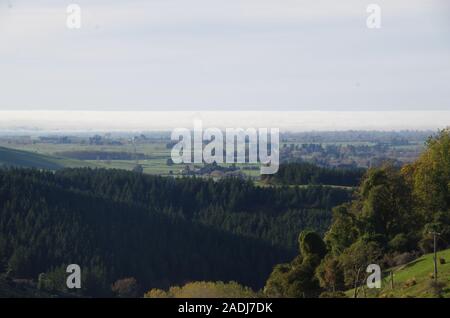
(20, 158)
(419, 270)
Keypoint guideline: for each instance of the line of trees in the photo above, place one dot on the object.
(102, 155)
(307, 173)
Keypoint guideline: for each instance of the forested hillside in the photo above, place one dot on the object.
(307, 173)
(136, 232)
(161, 231)
(271, 214)
(397, 215)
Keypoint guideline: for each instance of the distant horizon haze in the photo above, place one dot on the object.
(44, 121)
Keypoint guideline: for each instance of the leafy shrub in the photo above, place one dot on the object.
(204, 290)
(53, 281)
(311, 243)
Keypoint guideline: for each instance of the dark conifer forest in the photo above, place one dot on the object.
(307, 173)
(162, 231)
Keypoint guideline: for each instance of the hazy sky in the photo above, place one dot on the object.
(37, 122)
(225, 55)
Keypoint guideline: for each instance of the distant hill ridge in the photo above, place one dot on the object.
(10, 157)
(20, 158)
